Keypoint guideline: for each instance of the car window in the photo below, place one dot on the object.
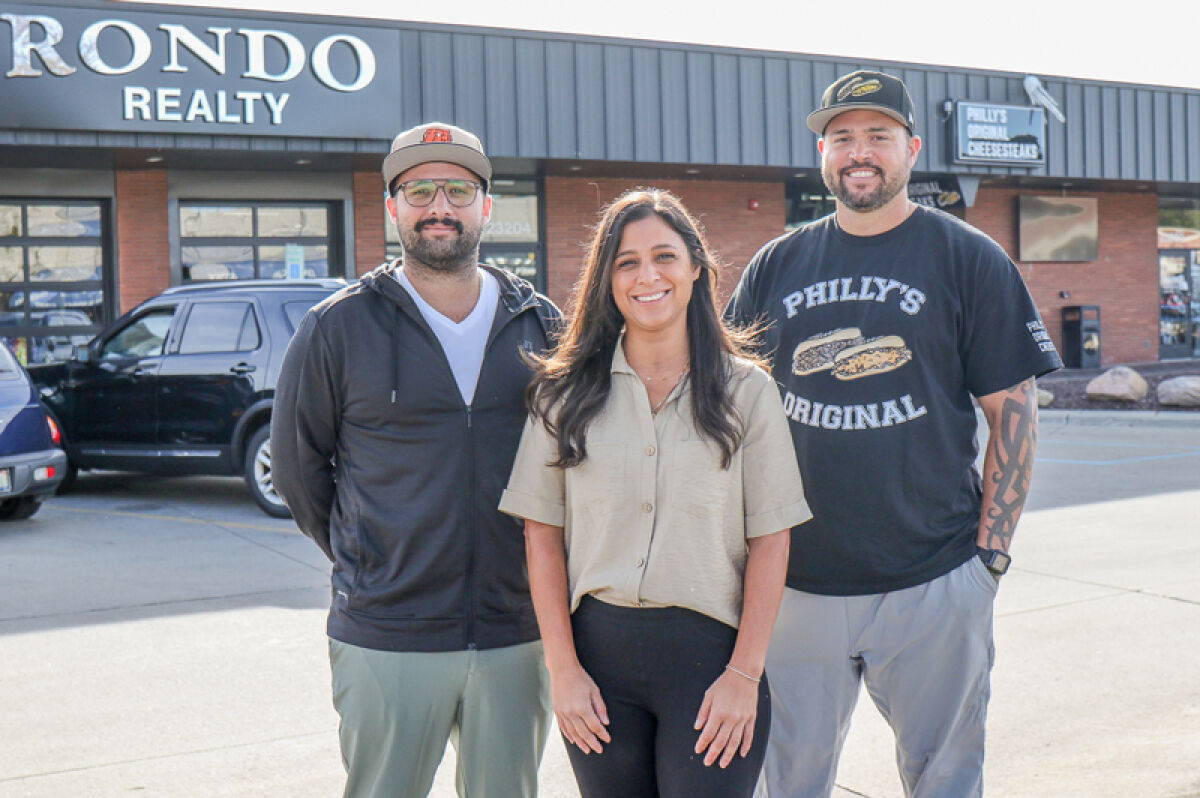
(143, 337)
(220, 327)
(295, 310)
(9, 368)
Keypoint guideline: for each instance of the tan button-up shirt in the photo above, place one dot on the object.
(650, 517)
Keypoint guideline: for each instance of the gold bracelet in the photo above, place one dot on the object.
(743, 675)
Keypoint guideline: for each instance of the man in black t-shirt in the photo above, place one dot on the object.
(886, 318)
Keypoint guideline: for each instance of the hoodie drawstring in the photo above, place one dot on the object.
(395, 352)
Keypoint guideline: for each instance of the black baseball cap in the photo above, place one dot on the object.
(864, 90)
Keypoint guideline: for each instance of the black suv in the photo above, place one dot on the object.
(183, 383)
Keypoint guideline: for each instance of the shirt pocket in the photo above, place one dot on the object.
(596, 485)
(698, 486)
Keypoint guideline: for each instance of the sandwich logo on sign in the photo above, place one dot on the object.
(436, 135)
(859, 88)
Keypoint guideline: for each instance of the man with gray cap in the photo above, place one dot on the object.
(398, 411)
(886, 318)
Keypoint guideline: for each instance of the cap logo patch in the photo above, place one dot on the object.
(436, 135)
(859, 88)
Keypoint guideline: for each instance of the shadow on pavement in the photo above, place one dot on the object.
(128, 546)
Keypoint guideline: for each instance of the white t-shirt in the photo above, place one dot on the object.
(462, 341)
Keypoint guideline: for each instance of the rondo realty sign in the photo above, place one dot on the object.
(84, 68)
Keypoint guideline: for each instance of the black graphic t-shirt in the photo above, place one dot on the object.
(878, 343)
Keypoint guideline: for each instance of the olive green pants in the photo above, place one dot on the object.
(398, 709)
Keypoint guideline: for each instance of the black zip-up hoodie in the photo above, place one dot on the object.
(396, 479)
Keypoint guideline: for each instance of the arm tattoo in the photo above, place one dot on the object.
(1013, 454)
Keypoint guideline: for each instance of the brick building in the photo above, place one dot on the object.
(149, 146)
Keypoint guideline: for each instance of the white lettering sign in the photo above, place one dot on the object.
(214, 56)
(23, 46)
(1000, 134)
(89, 47)
(166, 104)
(113, 47)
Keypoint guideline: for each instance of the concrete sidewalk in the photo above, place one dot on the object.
(164, 638)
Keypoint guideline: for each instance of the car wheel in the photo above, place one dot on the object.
(70, 473)
(19, 508)
(258, 474)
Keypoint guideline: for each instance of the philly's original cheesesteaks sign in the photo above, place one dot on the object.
(114, 69)
(1000, 134)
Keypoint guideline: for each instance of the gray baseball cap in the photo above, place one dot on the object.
(436, 142)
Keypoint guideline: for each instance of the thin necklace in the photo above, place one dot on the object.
(654, 410)
(674, 376)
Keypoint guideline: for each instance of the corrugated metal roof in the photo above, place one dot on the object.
(543, 96)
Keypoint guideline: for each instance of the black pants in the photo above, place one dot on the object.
(652, 667)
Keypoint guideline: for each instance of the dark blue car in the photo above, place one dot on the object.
(31, 463)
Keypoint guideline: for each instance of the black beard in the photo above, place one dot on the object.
(864, 203)
(447, 255)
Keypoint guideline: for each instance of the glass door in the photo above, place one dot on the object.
(1194, 299)
(1178, 273)
(520, 259)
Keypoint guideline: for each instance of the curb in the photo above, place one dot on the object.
(1121, 418)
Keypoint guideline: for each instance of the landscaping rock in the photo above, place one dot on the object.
(1119, 384)
(1181, 391)
(1045, 398)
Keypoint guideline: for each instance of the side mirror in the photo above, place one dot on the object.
(80, 353)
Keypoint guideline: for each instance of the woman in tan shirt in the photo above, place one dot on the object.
(657, 482)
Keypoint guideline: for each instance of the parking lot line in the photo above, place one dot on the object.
(1114, 444)
(1119, 461)
(176, 518)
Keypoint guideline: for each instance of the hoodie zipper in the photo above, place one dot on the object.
(528, 303)
(474, 528)
(472, 576)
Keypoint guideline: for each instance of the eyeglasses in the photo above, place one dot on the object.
(419, 193)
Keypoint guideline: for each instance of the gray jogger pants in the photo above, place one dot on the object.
(924, 653)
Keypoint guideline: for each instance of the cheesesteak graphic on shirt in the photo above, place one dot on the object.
(848, 355)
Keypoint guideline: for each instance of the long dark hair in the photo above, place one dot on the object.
(575, 377)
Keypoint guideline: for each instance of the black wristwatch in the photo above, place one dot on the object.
(996, 561)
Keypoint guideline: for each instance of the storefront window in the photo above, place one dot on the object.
(11, 264)
(514, 220)
(804, 209)
(256, 240)
(65, 264)
(70, 221)
(10, 221)
(207, 221)
(52, 269)
(293, 222)
(1178, 277)
(217, 263)
(273, 261)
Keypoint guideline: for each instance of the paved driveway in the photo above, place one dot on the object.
(163, 637)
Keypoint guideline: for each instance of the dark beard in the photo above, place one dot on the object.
(864, 203)
(450, 255)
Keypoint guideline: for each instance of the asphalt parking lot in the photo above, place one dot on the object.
(163, 637)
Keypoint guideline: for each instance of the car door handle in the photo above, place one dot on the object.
(243, 368)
